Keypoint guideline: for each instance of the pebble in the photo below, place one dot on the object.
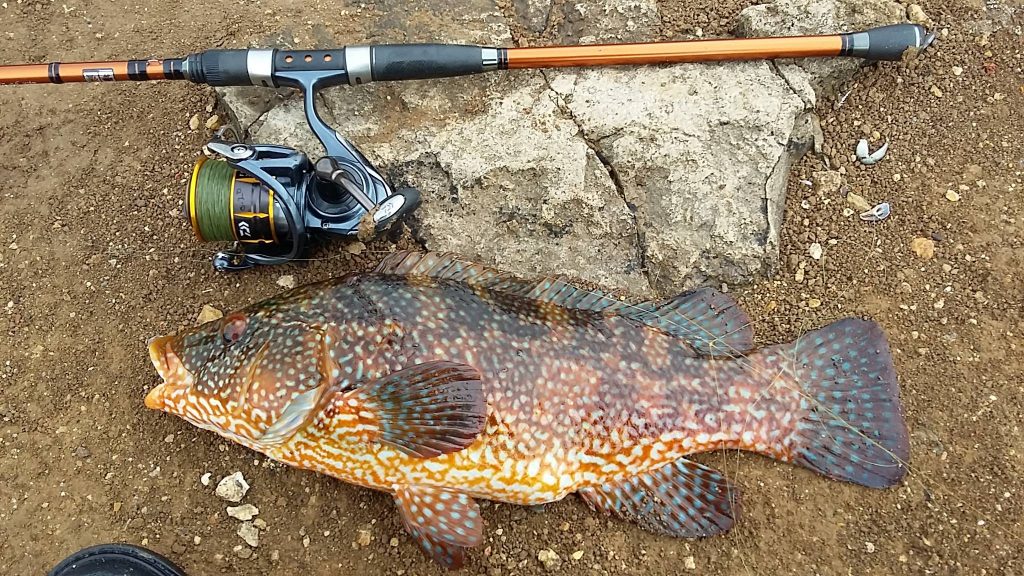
(952, 196)
(859, 203)
(287, 281)
(169, 439)
(178, 548)
(938, 236)
(205, 479)
(815, 251)
(250, 534)
(275, 555)
(213, 122)
(242, 551)
(957, 70)
(394, 542)
(260, 523)
(356, 247)
(549, 559)
(814, 303)
(197, 540)
(827, 182)
(577, 555)
(363, 537)
(936, 91)
(232, 488)
(305, 541)
(208, 314)
(82, 452)
(917, 15)
(244, 512)
(689, 563)
(117, 507)
(923, 247)
(193, 122)
(869, 547)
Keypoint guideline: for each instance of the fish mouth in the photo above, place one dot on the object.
(168, 365)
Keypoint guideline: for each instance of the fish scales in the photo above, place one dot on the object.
(432, 379)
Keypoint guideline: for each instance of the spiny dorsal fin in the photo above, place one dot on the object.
(710, 321)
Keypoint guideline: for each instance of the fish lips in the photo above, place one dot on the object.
(170, 368)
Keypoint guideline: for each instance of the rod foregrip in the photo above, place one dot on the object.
(422, 61)
(219, 67)
(885, 42)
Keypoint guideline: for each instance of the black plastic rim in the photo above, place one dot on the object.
(115, 560)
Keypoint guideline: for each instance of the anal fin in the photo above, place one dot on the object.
(443, 522)
(682, 499)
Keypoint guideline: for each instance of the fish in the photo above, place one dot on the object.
(442, 381)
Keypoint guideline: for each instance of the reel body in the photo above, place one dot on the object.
(271, 201)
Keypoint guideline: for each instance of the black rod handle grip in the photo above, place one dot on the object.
(885, 42)
(421, 61)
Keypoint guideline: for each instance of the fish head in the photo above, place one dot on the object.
(237, 374)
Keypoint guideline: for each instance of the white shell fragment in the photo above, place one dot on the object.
(232, 488)
(866, 157)
(876, 214)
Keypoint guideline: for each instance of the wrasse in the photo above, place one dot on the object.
(442, 381)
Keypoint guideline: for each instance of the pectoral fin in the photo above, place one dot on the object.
(444, 522)
(681, 499)
(428, 409)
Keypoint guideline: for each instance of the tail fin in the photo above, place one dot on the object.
(852, 426)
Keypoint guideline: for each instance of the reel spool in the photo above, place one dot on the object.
(271, 201)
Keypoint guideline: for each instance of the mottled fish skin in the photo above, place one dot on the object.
(575, 399)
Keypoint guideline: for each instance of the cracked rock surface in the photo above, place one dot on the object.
(650, 179)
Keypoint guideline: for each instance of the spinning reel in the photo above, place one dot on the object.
(272, 200)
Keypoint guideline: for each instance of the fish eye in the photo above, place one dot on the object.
(234, 328)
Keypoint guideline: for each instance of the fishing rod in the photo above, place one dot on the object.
(272, 200)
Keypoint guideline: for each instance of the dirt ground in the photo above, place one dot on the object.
(95, 259)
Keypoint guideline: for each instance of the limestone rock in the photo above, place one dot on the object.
(650, 179)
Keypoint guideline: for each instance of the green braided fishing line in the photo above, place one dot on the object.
(213, 201)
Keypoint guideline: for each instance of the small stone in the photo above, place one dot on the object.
(549, 559)
(577, 555)
(869, 547)
(260, 523)
(197, 540)
(305, 541)
(117, 507)
(205, 479)
(82, 452)
(814, 303)
(213, 122)
(169, 439)
(936, 91)
(244, 512)
(952, 196)
(393, 543)
(917, 15)
(275, 555)
(799, 277)
(827, 182)
(897, 177)
(193, 122)
(356, 247)
(249, 533)
(859, 203)
(938, 236)
(923, 247)
(815, 251)
(232, 488)
(947, 268)
(363, 537)
(178, 548)
(208, 314)
(957, 70)
(287, 281)
(242, 551)
(689, 563)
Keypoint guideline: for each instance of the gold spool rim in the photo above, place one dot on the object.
(192, 197)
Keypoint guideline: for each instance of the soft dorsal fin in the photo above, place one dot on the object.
(710, 321)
